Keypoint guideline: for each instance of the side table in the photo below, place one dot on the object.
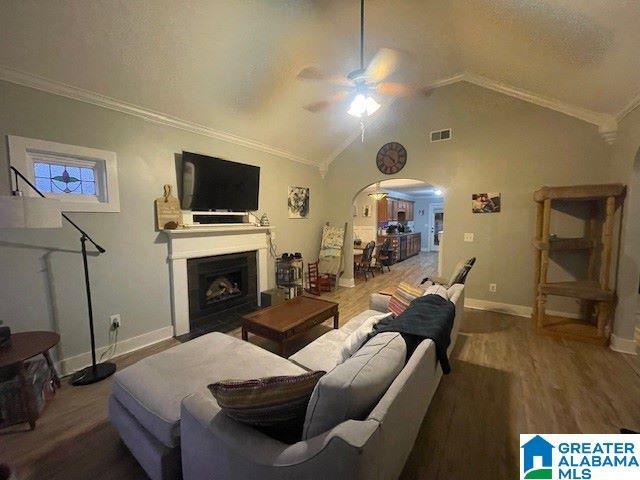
(26, 345)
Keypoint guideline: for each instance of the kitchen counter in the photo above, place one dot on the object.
(404, 245)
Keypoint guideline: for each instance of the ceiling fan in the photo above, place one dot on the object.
(362, 84)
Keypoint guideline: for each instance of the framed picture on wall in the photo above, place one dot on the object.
(366, 211)
(485, 203)
(298, 202)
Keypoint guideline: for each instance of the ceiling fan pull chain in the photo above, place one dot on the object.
(362, 130)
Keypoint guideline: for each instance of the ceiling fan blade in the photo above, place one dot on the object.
(402, 89)
(383, 64)
(313, 73)
(322, 104)
(396, 89)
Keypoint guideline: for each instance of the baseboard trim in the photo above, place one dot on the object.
(623, 345)
(347, 282)
(510, 309)
(68, 365)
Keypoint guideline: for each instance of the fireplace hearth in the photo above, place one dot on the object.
(221, 289)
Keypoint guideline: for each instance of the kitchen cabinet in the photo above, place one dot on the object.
(389, 207)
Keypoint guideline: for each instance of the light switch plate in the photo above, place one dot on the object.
(468, 237)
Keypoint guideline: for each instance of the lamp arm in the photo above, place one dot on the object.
(35, 189)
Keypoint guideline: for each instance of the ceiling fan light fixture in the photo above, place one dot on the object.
(358, 106)
(363, 105)
(372, 106)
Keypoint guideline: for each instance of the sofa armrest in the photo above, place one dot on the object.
(213, 442)
(379, 302)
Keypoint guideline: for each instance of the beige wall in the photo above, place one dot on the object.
(626, 169)
(500, 145)
(365, 227)
(42, 284)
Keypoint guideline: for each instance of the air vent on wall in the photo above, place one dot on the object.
(441, 135)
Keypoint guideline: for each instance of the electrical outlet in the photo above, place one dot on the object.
(468, 237)
(115, 321)
(493, 287)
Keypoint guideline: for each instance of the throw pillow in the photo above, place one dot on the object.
(454, 291)
(403, 296)
(275, 405)
(437, 290)
(353, 388)
(356, 338)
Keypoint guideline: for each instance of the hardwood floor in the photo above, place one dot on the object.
(505, 381)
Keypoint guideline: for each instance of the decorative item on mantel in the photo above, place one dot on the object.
(168, 214)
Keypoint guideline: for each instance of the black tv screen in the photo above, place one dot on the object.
(210, 183)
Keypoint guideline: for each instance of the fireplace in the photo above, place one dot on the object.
(221, 288)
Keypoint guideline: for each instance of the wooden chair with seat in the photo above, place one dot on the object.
(318, 282)
(364, 265)
(385, 255)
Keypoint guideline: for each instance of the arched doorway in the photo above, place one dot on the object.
(408, 213)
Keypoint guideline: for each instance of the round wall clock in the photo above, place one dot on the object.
(391, 158)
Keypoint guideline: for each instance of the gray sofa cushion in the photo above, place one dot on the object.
(152, 389)
(321, 354)
(324, 353)
(352, 389)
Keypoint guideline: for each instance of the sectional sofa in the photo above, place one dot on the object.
(174, 427)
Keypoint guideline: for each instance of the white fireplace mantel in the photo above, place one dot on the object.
(205, 242)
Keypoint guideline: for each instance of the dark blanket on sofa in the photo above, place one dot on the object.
(430, 316)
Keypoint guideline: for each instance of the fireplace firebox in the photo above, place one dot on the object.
(221, 289)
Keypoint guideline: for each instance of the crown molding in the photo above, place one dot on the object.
(607, 124)
(596, 118)
(69, 91)
(631, 106)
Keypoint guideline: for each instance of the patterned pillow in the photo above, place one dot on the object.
(275, 405)
(403, 296)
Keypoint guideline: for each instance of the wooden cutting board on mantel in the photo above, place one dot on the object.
(167, 210)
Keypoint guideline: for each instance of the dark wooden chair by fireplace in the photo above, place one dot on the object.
(318, 282)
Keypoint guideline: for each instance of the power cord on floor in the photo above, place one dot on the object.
(110, 352)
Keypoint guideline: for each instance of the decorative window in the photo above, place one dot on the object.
(83, 179)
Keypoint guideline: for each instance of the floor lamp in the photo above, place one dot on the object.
(30, 212)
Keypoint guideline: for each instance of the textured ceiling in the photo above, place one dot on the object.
(231, 65)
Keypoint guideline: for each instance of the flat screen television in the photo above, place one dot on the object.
(210, 183)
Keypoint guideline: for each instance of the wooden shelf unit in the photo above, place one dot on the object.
(596, 297)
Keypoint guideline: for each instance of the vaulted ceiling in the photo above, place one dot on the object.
(231, 66)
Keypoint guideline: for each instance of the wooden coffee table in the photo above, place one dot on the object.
(283, 322)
